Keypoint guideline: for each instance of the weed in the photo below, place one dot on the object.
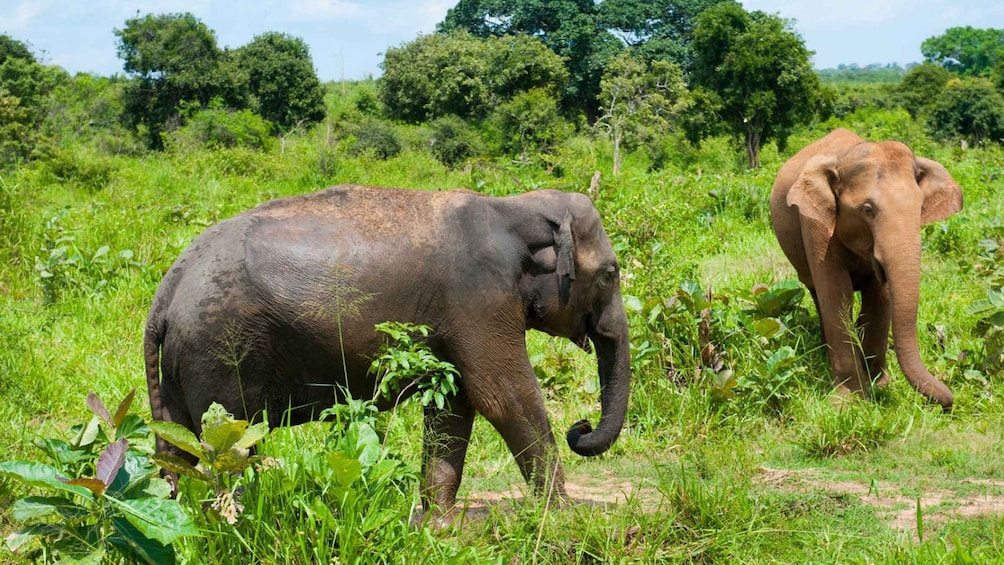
(406, 362)
(113, 505)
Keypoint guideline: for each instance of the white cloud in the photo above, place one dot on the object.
(381, 17)
(20, 15)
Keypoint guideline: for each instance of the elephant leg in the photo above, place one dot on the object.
(514, 405)
(873, 323)
(447, 433)
(835, 297)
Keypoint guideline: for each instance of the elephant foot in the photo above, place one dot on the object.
(881, 382)
(842, 396)
(437, 520)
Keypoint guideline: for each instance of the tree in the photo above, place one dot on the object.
(970, 108)
(24, 89)
(755, 71)
(570, 28)
(173, 58)
(966, 50)
(462, 75)
(530, 123)
(639, 101)
(655, 29)
(282, 85)
(921, 87)
(12, 48)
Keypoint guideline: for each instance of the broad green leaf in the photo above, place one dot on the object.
(41, 475)
(178, 436)
(18, 538)
(101, 252)
(768, 327)
(158, 488)
(88, 433)
(223, 435)
(160, 519)
(38, 506)
(132, 426)
(632, 304)
(177, 465)
(253, 435)
(139, 547)
(346, 468)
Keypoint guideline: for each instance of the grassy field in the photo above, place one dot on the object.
(743, 459)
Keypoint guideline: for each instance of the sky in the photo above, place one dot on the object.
(348, 37)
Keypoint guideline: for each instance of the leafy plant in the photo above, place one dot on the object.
(990, 327)
(405, 362)
(224, 454)
(102, 499)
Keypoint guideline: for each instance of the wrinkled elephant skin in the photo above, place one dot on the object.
(848, 215)
(273, 312)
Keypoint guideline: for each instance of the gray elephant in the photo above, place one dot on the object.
(848, 215)
(275, 309)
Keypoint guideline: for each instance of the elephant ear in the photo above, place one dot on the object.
(813, 191)
(564, 247)
(942, 195)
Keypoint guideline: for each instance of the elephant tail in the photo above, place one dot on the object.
(153, 338)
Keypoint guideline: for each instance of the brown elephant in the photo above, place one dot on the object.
(295, 286)
(848, 215)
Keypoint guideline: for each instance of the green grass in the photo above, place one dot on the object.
(700, 474)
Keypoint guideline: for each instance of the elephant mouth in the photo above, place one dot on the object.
(879, 272)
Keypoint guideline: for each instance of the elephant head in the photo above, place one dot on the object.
(571, 288)
(866, 203)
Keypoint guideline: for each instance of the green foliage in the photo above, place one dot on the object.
(374, 137)
(283, 87)
(174, 58)
(405, 365)
(103, 498)
(966, 50)
(218, 127)
(529, 124)
(454, 141)
(757, 69)
(971, 109)
(63, 268)
(569, 28)
(223, 453)
(655, 31)
(459, 74)
(11, 48)
(24, 87)
(639, 102)
(921, 87)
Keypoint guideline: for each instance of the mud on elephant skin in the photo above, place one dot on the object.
(294, 283)
(848, 215)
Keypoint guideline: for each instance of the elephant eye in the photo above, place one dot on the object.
(868, 209)
(606, 276)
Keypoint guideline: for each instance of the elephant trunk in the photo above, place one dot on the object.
(613, 359)
(903, 271)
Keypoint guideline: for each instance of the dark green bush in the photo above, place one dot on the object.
(453, 141)
(218, 127)
(375, 137)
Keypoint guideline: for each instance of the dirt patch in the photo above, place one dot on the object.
(937, 506)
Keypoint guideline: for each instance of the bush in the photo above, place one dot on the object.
(375, 137)
(453, 141)
(529, 123)
(218, 127)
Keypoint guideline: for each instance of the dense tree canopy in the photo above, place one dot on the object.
(921, 87)
(971, 109)
(755, 70)
(177, 66)
(24, 86)
(966, 50)
(462, 75)
(639, 102)
(655, 29)
(282, 85)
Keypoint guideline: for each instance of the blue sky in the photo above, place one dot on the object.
(347, 37)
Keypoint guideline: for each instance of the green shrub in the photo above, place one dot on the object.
(375, 137)
(454, 141)
(217, 127)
